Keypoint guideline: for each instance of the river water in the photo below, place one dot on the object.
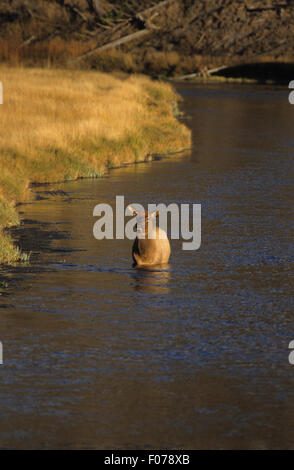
(97, 354)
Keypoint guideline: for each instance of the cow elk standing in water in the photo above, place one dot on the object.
(155, 247)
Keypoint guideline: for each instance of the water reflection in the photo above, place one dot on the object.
(152, 279)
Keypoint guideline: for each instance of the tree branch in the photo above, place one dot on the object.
(112, 44)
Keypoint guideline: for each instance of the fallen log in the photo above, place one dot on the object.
(155, 7)
(112, 44)
(202, 73)
(28, 41)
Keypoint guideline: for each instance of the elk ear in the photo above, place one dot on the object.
(154, 214)
(133, 211)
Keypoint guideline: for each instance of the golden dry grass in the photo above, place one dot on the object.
(60, 125)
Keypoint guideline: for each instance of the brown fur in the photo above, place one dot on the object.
(151, 251)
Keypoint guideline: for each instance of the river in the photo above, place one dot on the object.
(98, 354)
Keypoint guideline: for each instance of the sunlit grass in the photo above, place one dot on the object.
(59, 125)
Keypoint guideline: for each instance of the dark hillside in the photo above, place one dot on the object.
(170, 37)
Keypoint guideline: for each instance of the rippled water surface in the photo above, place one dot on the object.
(100, 355)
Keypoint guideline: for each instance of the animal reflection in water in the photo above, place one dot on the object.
(154, 248)
(152, 279)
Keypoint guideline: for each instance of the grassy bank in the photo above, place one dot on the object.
(59, 125)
